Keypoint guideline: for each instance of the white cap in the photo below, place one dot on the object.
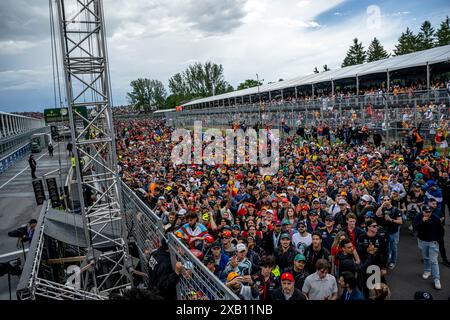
(182, 212)
(290, 188)
(366, 198)
(241, 247)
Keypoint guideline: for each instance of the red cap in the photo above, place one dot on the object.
(209, 239)
(242, 212)
(287, 276)
(285, 200)
(226, 233)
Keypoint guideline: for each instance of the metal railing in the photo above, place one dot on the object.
(143, 225)
(147, 230)
(197, 282)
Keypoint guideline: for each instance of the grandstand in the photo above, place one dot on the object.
(423, 67)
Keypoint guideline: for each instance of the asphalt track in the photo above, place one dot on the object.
(18, 205)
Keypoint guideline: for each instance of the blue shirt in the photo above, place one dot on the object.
(354, 295)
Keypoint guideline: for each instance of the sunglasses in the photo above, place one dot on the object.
(373, 226)
(324, 270)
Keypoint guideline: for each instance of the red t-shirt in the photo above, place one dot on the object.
(352, 236)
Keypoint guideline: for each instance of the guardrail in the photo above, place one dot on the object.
(197, 282)
(143, 225)
(147, 229)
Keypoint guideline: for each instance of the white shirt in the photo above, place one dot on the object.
(300, 242)
(319, 289)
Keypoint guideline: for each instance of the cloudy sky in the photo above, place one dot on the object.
(158, 38)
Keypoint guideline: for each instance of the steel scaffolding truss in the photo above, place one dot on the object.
(84, 54)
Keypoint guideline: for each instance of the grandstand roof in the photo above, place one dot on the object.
(165, 110)
(420, 58)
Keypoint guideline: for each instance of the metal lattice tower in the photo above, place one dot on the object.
(84, 54)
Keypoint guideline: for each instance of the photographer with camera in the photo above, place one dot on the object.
(24, 233)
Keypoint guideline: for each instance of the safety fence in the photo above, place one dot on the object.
(391, 115)
(197, 282)
(144, 227)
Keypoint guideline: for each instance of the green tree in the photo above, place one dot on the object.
(249, 83)
(376, 51)
(355, 54)
(147, 94)
(174, 100)
(198, 81)
(426, 36)
(407, 43)
(443, 33)
(326, 68)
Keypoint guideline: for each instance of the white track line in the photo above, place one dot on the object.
(20, 172)
(14, 253)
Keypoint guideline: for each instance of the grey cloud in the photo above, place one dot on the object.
(215, 17)
(24, 20)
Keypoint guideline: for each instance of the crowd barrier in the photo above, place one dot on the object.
(196, 281)
(146, 228)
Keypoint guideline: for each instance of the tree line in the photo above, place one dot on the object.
(201, 80)
(408, 42)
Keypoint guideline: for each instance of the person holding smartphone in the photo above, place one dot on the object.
(429, 230)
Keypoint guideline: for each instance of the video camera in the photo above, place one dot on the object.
(11, 267)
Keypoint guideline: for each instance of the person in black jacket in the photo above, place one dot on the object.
(271, 239)
(33, 165)
(285, 253)
(298, 271)
(372, 250)
(348, 259)
(288, 292)
(429, 230)
(161, 275)
(315, 252)
(265, 280)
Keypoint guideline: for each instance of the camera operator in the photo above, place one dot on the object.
(24, 233)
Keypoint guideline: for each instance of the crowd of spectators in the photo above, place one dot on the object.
(124, 111)
(311, 231)
(37, 115)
